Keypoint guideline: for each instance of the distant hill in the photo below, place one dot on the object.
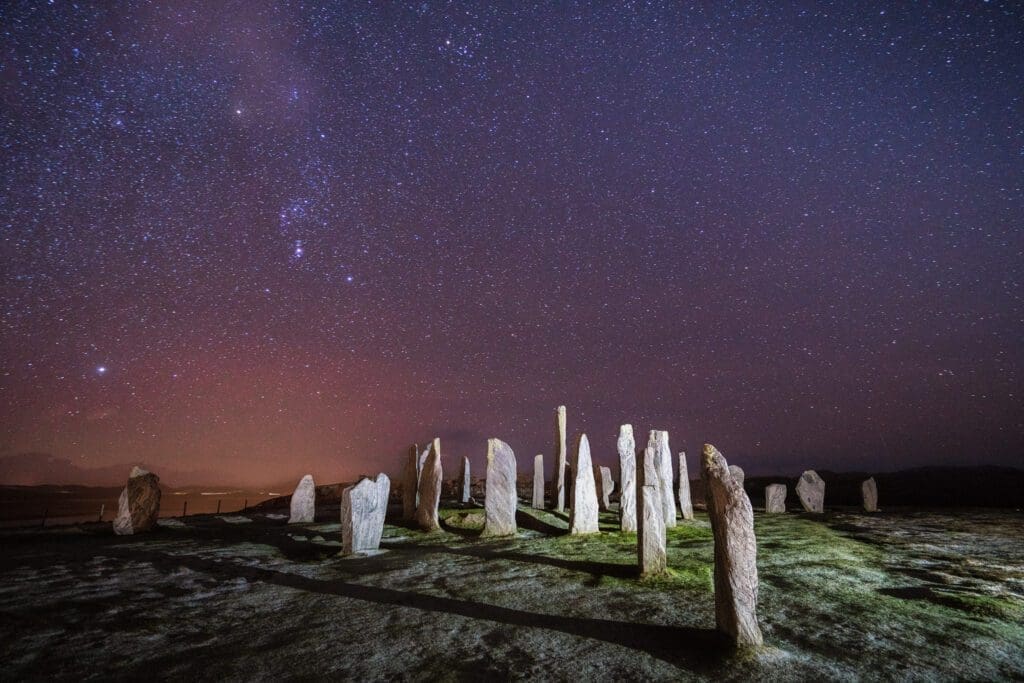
(34, 469)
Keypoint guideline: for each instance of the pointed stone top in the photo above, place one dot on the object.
(309, 478)
(626, 430)
(584, 443)
(713, 460)
(138, 472)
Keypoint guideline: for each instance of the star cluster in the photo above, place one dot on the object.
(270, 237)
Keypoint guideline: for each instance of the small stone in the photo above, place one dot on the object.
(303, 505)
(560, 461)
(735, 575)
(775, 498)
(685, 503)
(466, 492)
(500, 497)
(603, 476)
(652, 553)
(627, 479)
(430, 489)
(363, 508)
(538, 481)
(584, 512)
(139, 504)
(869, 492)
(811, 491)
(737, 473)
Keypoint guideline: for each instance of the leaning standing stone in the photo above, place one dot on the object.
(775, 498)
(139, 504)
(560, 459)
(627, 479)
(659, 439)
(869, 491)
(607, 487)
(652, 554)
(583, 515)
(466, 492)
(811, 491)
(430, 489)
(732, 523)
(363, 508)
(303, 507)
(500, 497)
(410, 481)
(685, 504)
(538, 481)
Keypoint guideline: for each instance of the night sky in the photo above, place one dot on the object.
(265, 238)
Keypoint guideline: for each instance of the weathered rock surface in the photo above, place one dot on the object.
(500, 497)
(627, 478)
(466, 486)
(584, 512)
(775, 498)
(811, 491)
(659, 440)
(560, 459)
(735, 575)
(139, 504)
(430, 489)
(410, 483)
(651, 546)
(737, 473)
(604, 478)
(869, 492)
(303, 505)
(685, 503)
(538, 481)
(363, 508)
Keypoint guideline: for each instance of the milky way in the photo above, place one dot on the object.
(268, 238)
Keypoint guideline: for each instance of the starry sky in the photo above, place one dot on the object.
(265, 238)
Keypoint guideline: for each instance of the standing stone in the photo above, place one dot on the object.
(466, 493)
(560, 459)
(500, 497)
(604, 476)
(659, 441)
(775, 498)
(139, 504)
(869, 491)
(583, 515)
(627, 479)
(652, 553)
(735, 576)
(685, 504)
(737, 473)
(303, 507)
(811, 491)
(430, 489)
(363, 507)
(538, 481)
(410, 482)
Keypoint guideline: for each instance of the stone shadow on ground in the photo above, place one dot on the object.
(618, 571)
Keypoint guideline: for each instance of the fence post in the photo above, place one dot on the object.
(103, 507)
(218, 506)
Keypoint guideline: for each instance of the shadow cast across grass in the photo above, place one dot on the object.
(597, 569)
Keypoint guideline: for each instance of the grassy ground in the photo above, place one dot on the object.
(896, 595)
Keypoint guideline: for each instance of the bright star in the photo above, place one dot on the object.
(101, 369)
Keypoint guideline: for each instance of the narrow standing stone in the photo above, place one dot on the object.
(303, 505)
(627, 479)
(538, 481)
(430, 489)
(363, 508)
(658, 439)
(139, 504)
(500, 498)
(732, 524)
(685, 503)
(583, 515)
(775, 498)
(869, 491)
(410, 482)
(604, 476)
(560, 459)
(652, 554)
(811, 491)
(466, 493)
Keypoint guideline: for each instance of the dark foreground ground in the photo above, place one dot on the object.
(904, 595)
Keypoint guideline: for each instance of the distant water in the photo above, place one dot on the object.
(30, 505)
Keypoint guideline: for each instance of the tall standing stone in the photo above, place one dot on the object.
(811, 491)
(775, 498)
(652, 552)
(604, 478)
(410, 482)
(735, 576)
(303, 505)
(583, 515)
(363, 508)
(500, 497)
(538, 481)
(430, 489)
(139, 504)
(466, 493)
(869, 492)
(560, 459)
(658, 439)
(627, 479)
(685, 503)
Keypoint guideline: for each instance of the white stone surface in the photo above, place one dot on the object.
(500, 498)
(363, 508)
(466, 491)
(626, 447)
(430, 489)
(583, 516)
(303, 505)
(560, 459)
(652, 552)
(538, 481)
(607, 486)
(811, 491)
(775, 498)
(685, 502)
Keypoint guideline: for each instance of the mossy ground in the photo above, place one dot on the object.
(896, 595)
